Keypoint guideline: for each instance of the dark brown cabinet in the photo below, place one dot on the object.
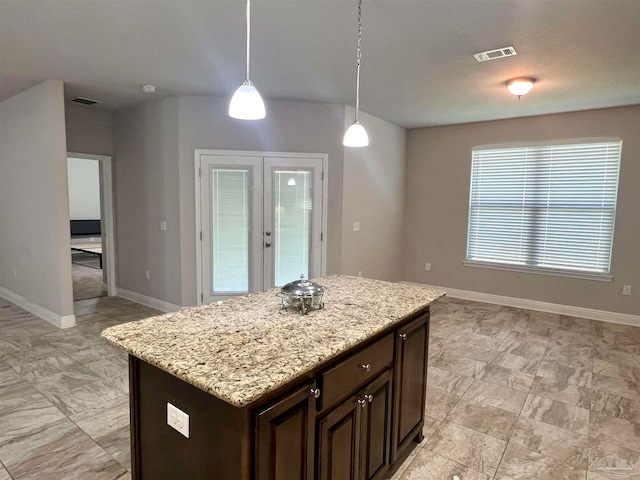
(375, 453)
(285, 434)
(354, 438)
(348, 419)
(410, 383)
(339, 442)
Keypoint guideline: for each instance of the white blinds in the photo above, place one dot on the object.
(292, 224)
(549, 207)
(230, 225)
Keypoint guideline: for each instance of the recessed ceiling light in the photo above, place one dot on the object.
(148, 88)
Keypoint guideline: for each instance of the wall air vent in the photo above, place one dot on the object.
(84, 101)
(493, 54)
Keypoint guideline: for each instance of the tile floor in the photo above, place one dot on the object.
(512, 394)
(87, 282)
(518, 394)
(64, 410)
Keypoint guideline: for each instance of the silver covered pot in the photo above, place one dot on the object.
(302, 295)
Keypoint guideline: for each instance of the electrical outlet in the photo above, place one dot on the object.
(177, 419)
(147, 275)
(626, 290)
(360, 273)
(427, 267)
(356, 226)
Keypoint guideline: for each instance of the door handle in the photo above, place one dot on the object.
(268, 244)
(267, 233)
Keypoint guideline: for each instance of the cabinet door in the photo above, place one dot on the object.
(284, 437)
(376, 428)
(410, 383)
(339, 442)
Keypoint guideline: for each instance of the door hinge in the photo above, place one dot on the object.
(321, 236)
(322, 176)
(202, 297)
(200, 236)
(200, 172)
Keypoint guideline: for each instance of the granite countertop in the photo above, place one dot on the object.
(243, 348)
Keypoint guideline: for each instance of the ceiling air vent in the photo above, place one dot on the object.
(493, 54)
(84, 101)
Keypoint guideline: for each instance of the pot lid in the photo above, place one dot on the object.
(302, 287)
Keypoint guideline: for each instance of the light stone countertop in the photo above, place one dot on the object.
(243, 348)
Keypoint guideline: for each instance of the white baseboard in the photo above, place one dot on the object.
(60, 321)
(148, 301)
(601, 315)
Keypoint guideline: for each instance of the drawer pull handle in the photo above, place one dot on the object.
(315, 392)
(368, 398)
(366, 367)
(362, 403)
(403, 336)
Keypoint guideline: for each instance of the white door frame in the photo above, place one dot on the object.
(198, 152)
(107, 210)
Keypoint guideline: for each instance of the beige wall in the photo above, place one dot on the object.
(438, 174)
(374, 188)
(34, 203)
(88, 130)
(146, 192)
(155, 180)
(302, 127)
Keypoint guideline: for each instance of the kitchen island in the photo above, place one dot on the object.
(271, 394)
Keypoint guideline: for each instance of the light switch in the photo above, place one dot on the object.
(356, 226)
(163, 225)
(177, 419)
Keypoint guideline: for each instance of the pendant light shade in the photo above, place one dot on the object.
(246, 103)
(356, 135)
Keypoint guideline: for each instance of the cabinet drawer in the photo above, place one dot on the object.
(342, 379)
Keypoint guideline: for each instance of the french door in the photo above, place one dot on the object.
(261, 221)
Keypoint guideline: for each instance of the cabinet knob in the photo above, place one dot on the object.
(366, 367)
(368, 398)
(362, 403)
(403, 336)
(315, 392)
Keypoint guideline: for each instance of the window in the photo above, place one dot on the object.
(544, 208)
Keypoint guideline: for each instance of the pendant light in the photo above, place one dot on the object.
(356, 135)
(246, 103)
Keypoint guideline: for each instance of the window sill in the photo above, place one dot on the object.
(540, 271)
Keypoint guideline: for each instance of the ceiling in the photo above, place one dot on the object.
(417, 63)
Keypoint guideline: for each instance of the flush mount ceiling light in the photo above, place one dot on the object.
(356, 135)
(520, 86)
(246, 103)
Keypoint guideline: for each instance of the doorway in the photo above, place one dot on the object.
(261, 219)
(91, 214)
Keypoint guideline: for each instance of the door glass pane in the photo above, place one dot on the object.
(230, 223)
(292, 224)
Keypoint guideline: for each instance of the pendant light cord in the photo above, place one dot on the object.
(248, 34)
(358, 57)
